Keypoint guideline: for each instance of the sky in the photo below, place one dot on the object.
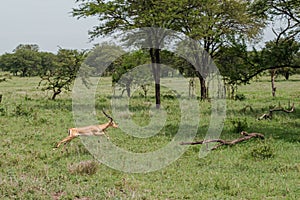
(47, 23)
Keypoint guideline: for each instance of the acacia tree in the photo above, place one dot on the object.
(103, 56)
(119, 15)
(214, 23)
(233, 66)
(239, 65)
(61, 72)
(126, 63)
(280, 54)
(285, 11)
(208, 21)
(280, 51)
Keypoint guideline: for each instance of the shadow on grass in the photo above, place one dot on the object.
(284, 131)
(58, 104)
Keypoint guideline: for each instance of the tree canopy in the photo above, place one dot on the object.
(62, 71)
(209, 22)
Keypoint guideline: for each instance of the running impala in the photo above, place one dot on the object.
(94, 130)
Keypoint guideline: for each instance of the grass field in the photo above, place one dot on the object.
(31, 124)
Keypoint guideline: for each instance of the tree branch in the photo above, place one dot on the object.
(276, 109)
(246, 136)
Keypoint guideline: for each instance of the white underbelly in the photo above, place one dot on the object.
(90, 134)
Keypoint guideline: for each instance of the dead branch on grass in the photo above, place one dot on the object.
(276, 109)
(246, 136)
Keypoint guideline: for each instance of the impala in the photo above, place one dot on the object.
(95, 130)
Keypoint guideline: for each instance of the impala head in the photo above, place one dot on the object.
(111, 121)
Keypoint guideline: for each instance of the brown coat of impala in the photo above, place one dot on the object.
(94, 130)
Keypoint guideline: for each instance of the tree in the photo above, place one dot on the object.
(232, 67)
(210, 22)
(31, 47)
(62, 73)
(239, 65)
(25, 60)
(48, 61)
(126, 63)
(28, 61)
(281, 53)
(214, 24)
(7, 63)
(285, 11)
(103, 56)
(278, 52)
(125, 15)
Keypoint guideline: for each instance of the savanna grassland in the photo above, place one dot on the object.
(31, 124)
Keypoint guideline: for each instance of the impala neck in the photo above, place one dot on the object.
(105, 126)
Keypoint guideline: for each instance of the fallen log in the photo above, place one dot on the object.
(246, 136)
(276, 109)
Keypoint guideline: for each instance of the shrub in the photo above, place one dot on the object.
(85, 167)
(20, 110)
(239, 125)
(3, 111)
(263, 151)
(240, 97)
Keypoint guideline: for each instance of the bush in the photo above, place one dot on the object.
(3, 111)
(20, 110)
(240, 97)
(261, 152)
(84, 167)
(239, 125)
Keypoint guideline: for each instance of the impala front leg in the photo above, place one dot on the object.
(107, 136)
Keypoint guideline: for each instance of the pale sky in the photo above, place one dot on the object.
(47, 23)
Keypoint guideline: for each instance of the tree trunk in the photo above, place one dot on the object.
(201, 72)
(24, 71)
(128, 90)
(203, 88)
(155, 60)
(55, 93)
(287, 75)
(273, 75)
(192, 88)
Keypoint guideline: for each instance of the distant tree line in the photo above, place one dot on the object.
(57, 71)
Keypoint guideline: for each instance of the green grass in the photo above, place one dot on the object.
(30, 125)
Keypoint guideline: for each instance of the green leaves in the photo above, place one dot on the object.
(62, 71)
(25, 61)
(123, 76)
(280, 53)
